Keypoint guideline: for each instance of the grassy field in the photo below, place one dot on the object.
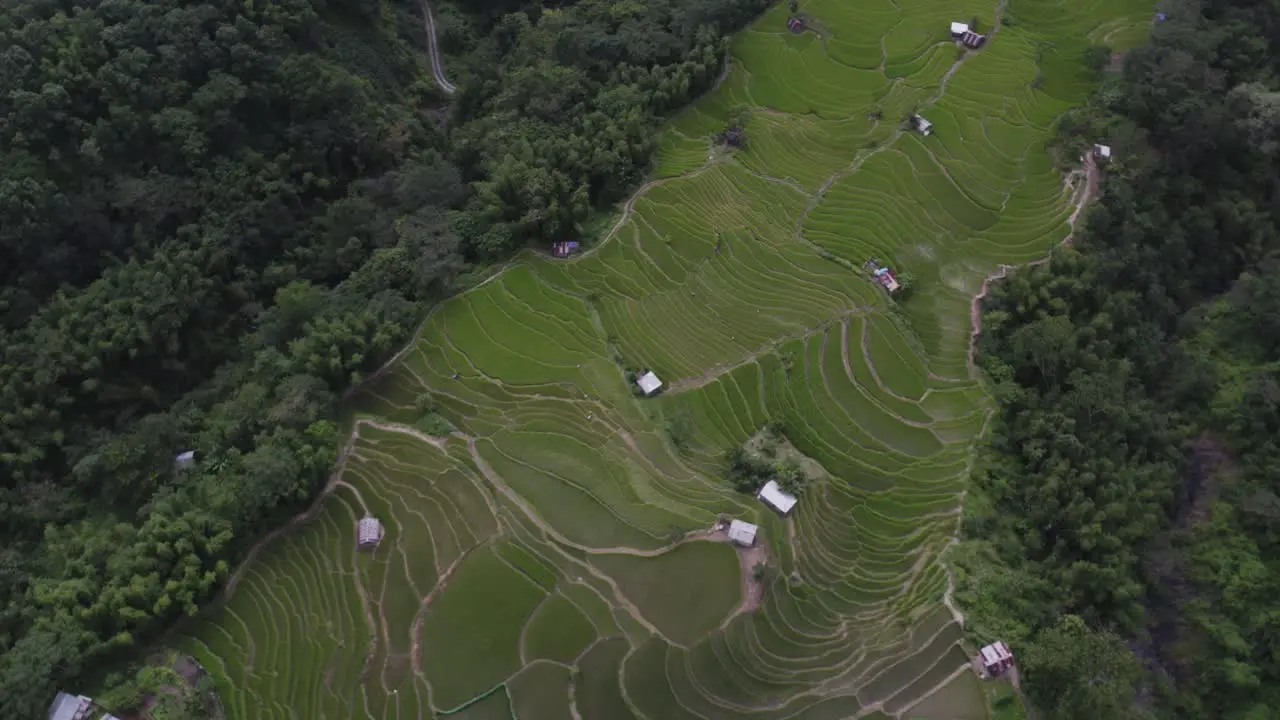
(685, 592)
(523, 573)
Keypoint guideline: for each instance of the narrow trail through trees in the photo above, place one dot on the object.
(433, 50)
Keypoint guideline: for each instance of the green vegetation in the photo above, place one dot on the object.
(1004, 702)
(1123, 517)
(275, 210)
(217, 216)
(558, 631)
(471, 637)
(685, 592)
(757, 461)
(706, 280)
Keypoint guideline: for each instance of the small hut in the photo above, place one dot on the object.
(369, 532)
(742, 533)
(967, 36)
(775, 497)
(649, 383)
(996, 659)
(973, 40)
(564, 249)
(1102, 152)
(76, 707)
(923, 126)
(795, 24)
(887, 279)
(184, 460)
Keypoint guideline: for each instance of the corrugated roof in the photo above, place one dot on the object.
(995, 653)
(773, 495)
(649, 383)
(743, 533)
(369, 530)
(66, 706)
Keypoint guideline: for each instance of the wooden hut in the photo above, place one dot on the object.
(369, 532)
(996, 659)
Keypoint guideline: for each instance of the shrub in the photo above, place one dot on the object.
(433, 423)
(679, 428)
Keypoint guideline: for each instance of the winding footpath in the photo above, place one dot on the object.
(1083, 197)
(433, 51)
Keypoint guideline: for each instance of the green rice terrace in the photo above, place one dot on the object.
(554, 556)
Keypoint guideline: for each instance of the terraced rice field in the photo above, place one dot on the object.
(551, 559)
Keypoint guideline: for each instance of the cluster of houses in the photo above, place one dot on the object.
(966, 36)
(744, 533)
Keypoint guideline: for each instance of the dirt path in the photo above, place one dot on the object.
(948, 597)
(1084, 196)
(752, 589)
(433, 51)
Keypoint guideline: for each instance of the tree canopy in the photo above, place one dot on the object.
(216, 216)
(1130, 480)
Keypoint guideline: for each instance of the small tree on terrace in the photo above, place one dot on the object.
(735, 133)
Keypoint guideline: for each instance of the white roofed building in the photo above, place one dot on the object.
(996, 658)
(1102, 152)
(958, 29)
(70, 707)
(924, 126)
(649, 383)
(775, 497)
(76, 707)
(743, 533)
(185, 460)
(369, 532)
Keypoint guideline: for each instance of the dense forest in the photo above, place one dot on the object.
(1124, 526)
(217, 215)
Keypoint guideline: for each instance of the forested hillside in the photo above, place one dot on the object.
(215, 216)
(1123, 528)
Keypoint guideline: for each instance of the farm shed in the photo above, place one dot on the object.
(775, 497)
(649, 383)
(795, 25)
(1102, 152)
(967, 36)
(369, 532)
(886, 278)
(564, 249)
(996, 658)
(76, 707)
(185, 460)
(973, 40)
(924, 126)
(743, 533)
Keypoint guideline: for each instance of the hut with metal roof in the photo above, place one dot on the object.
(743, 533)
(775, 497)
(369, 532)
